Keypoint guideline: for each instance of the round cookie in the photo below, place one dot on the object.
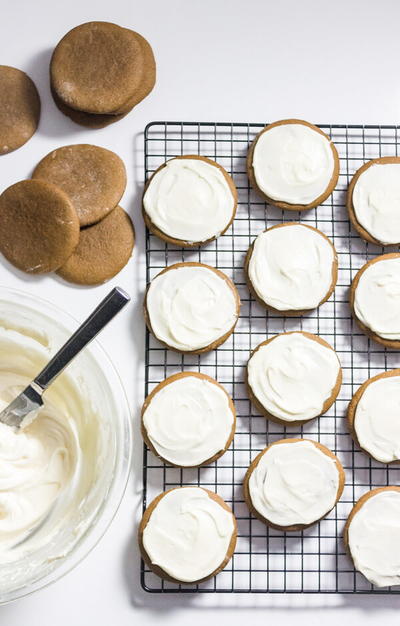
(374, 417)
(182, 548)
(293, 483)
(291, 268)
(19, 108)
(188, 420)
(103, 250)
(191, 307)
(375, 299)
(39, 227)
(373, 200)
(372, 536)
(189, 201)
(293, 165)
(100, 68)
(93, 178)
(293, 377)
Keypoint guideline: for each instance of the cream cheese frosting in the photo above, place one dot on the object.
(293, 163)
(188, 534)
(291, 267)
(377, 298)
(189, 420)
(292, 376)
(189, 199)
(374, 538)
(190, 307)
(376, 201)
(377, 419)
(294, 483)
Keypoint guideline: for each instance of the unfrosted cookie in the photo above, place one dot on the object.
(293, 483)
(103, 250)
(372, 535)
(100, 68)
(191, 307)
(293, 377)
(375, 299)
(187, 535)
(39, 227)
(291, 268)
(188, 420)
(374, 416)
(93, 178)
(19, 108)
(373, 201)
(293, 165)
(189, 201)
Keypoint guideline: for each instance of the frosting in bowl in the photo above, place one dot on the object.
(189, 199)
(293, 163)
(291, 267)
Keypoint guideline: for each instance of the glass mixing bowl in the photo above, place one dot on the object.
(44, 556)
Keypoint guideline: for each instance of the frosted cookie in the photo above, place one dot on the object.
(293, 377)
(188, 420)
(39, 227)
(375, 299)
(372, 536)
(373, 201)
(374, 416)
(291, 268)
(293, 483)
(189, 201)
(19, 108)
(191, 307)
(293, 165)
(93, 178)
(102, 68)
(187, 535)
(103, 250)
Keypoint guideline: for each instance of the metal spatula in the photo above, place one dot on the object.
(30, 399)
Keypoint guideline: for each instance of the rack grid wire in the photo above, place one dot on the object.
(266, 560)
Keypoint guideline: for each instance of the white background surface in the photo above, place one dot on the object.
(242, 60)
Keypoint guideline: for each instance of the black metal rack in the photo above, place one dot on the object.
(267, 560)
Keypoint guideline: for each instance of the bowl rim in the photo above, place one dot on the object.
(102, 519)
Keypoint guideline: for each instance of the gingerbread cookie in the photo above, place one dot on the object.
(19, 108)
(293, 377)
(293, 483)
(291, 268)
(188, 420)
(189, 201)
(93, 178)
(191, 307)
(39, 227)
(103, 250)
(293, 165)
(179, 550)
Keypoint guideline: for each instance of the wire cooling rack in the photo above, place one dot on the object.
(267, 560)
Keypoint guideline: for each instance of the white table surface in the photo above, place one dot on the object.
(242, 60)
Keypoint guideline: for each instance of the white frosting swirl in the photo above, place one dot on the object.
(376, 201)
(377, 298)
(294, 483)
(374, 538)
(188, 534)
(189, 420)
(190, 307)
(293, 376)
(291, 267)
(293, 163)
(189, 199)
(377, 419)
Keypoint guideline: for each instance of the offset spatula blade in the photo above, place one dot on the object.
(19, 410)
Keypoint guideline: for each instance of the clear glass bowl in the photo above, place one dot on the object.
(95, 373)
